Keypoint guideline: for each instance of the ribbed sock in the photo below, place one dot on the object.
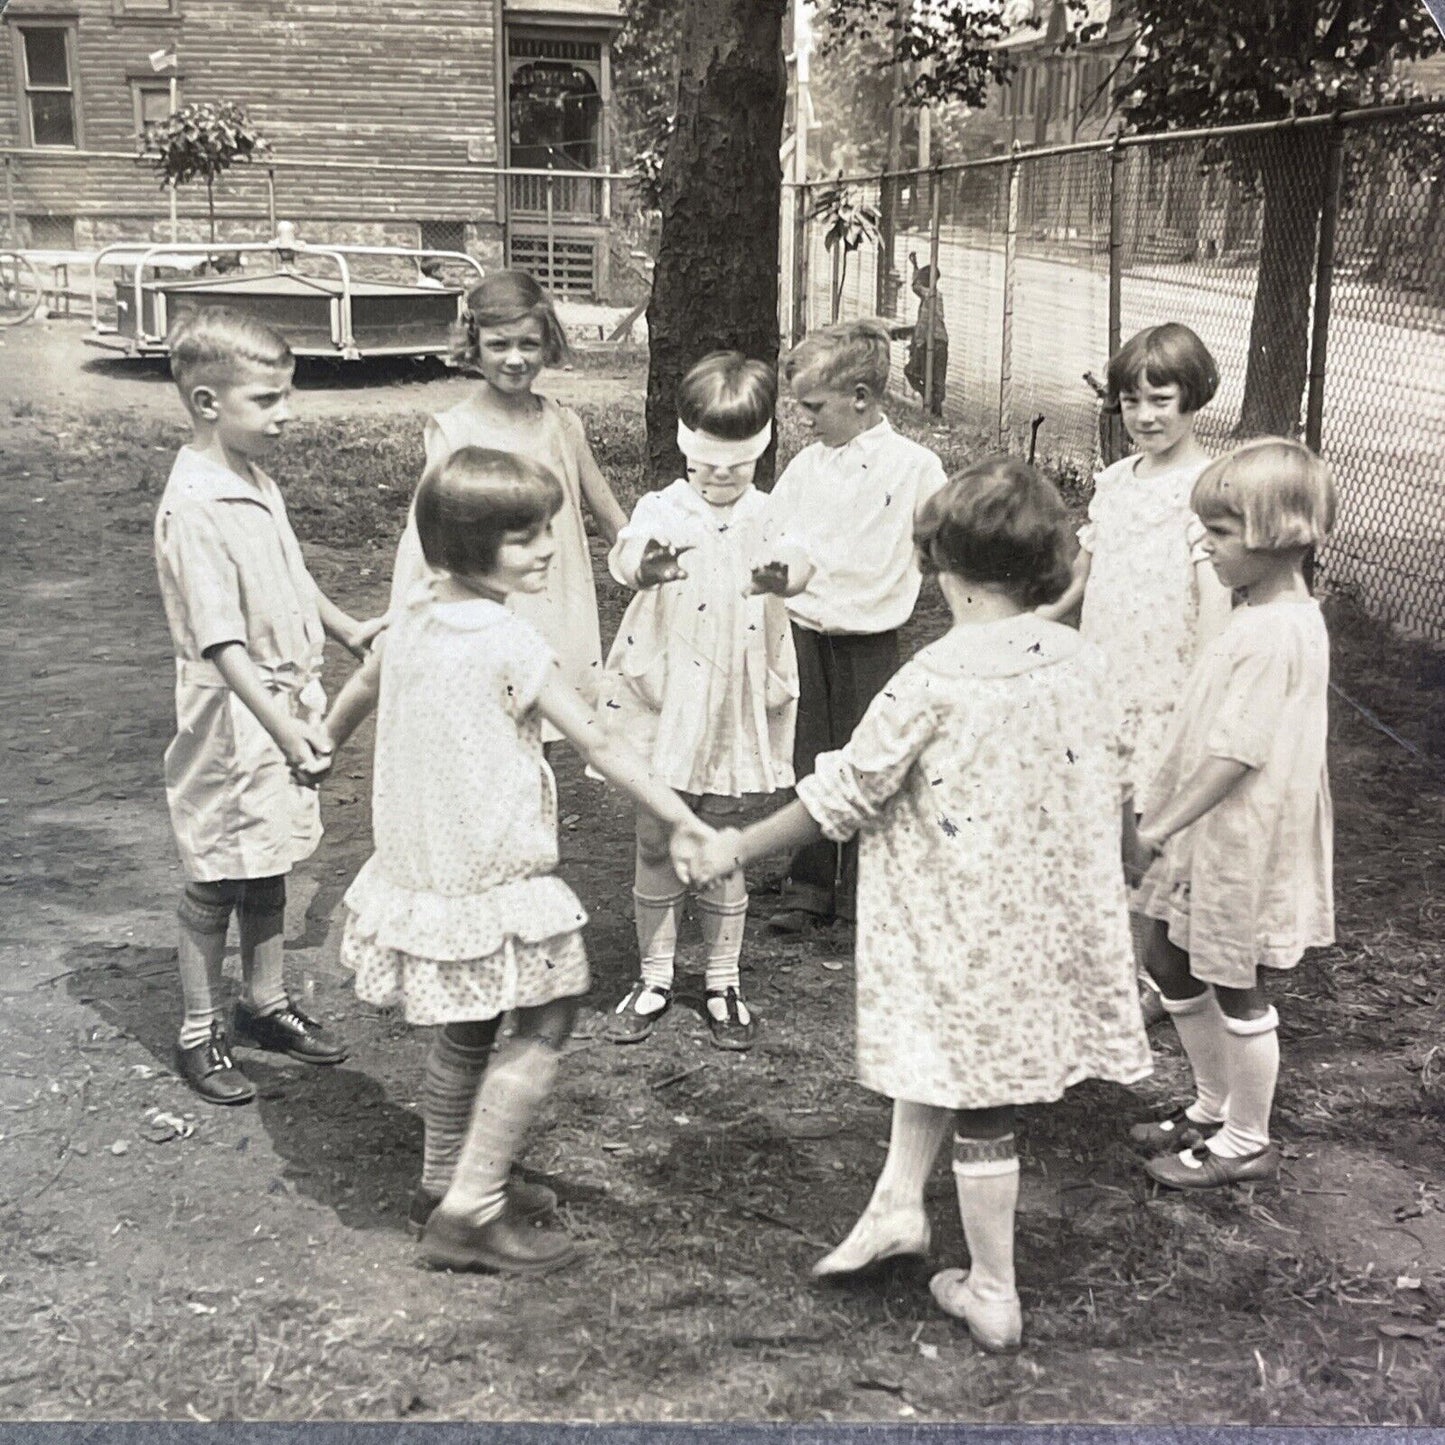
(262, 920)
(722, 914)
(657, 906)
(916, 1135)
(986, 1177)
(1200, 1024)
(1252, 1060)
(514, 1087)
(200, 954)
(449, 1089)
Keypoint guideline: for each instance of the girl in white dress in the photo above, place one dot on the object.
(993, 958)
(458, 916)
(1237, 825)
(509, 332)
(702, 677)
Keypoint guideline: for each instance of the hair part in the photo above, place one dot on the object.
(844, 356)
(728, 396)
(998, 524)
(467, 503)
(216, 346)
(1167, 355)
(501, 299)
(1279, 489)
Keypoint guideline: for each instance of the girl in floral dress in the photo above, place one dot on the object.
(458, 916)
(702, 678)
(993, 954)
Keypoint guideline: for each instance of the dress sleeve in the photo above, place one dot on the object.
(649, 522)
(410, 567)
(1247, 722)
(849, 788)
(195, 552)
(1194, 535)
(526, 665)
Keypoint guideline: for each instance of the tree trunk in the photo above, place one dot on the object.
(715, 286)
(211, 207)
(1291, 175)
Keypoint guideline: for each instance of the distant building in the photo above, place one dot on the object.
(466, 89)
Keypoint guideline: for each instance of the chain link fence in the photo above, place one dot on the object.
(1309, 256)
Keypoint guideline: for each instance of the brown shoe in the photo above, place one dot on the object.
(525, 1202)
(501, 1246)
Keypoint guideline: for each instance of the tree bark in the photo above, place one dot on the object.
(1291, 177)
(715, 286)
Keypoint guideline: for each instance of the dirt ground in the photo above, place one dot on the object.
(161, 1259)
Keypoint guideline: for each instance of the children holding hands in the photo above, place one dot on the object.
(248, 623)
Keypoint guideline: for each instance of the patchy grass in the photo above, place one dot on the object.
(258, 1268)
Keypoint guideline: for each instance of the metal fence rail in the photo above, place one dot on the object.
(1309, 256)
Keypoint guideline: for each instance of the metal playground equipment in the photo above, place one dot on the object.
(339, 316)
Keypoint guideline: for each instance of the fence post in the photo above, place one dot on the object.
(1010, 249)
(551, 236)
(1116, 245)
(931, 306)
(1324, 279)
(271, 198)
(800, 263)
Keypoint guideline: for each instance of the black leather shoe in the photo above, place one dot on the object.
(525, 1202)
(211, 1071)
(289, 1031)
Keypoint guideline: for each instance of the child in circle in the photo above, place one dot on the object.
(509, 331)
(702, 677)
(1238, 821)
(993, 958)
(458, 915)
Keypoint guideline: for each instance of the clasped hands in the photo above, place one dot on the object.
(703, 855)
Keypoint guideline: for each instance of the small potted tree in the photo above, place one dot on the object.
(849, 221)
(202, 140)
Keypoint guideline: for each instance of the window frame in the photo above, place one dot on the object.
(151, 84)
(68, 26)
(145, 14)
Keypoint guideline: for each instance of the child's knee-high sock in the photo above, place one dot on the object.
(263, 943)
(1200, 1024)
(917, 1134)
(514, 1086)
(1252, 1060)
(722, 914)
(986, 1176)
(201, 952)
(657, 905)
(449, 1089)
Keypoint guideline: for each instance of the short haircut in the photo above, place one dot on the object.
(728, 396)
(216, 345)
(500, 299)
(999, 524)
(468, 502)
(852, 353)
(1282, 492)
(1168, 355)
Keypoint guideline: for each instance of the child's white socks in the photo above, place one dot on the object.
(201, 954)
(657, 908)
(514, 1087)
(986, 1177)
(1251, 1051)
(916, 1136)
(722, 914)
(1200, 1024)
(449, 1089)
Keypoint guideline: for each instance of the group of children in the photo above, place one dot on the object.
(1018, 786)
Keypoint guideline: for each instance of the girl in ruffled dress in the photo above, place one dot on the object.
(458, 916)
(702, 678)
(993, 957)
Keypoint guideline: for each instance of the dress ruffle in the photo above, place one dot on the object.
(453, 929)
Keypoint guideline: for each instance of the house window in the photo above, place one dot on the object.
(145, 9)
(554, 103)
(45, 53)
(151, 103)
(52, 233)
(442, 235)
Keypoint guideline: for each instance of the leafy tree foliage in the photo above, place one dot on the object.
(202, 141)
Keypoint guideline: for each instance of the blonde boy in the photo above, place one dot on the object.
(844, 510)
(248, 624)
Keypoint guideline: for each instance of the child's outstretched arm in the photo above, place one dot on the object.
(1205, 788)
(597, 492)
(790, 828)
(561, 705)
(305, 746)
(344, 628)
(356, 701)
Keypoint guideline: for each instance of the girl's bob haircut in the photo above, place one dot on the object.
(468, 502)
(1168, 355)
(501, 299)
(1282, 492)
(728, 396)
(999, 524)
